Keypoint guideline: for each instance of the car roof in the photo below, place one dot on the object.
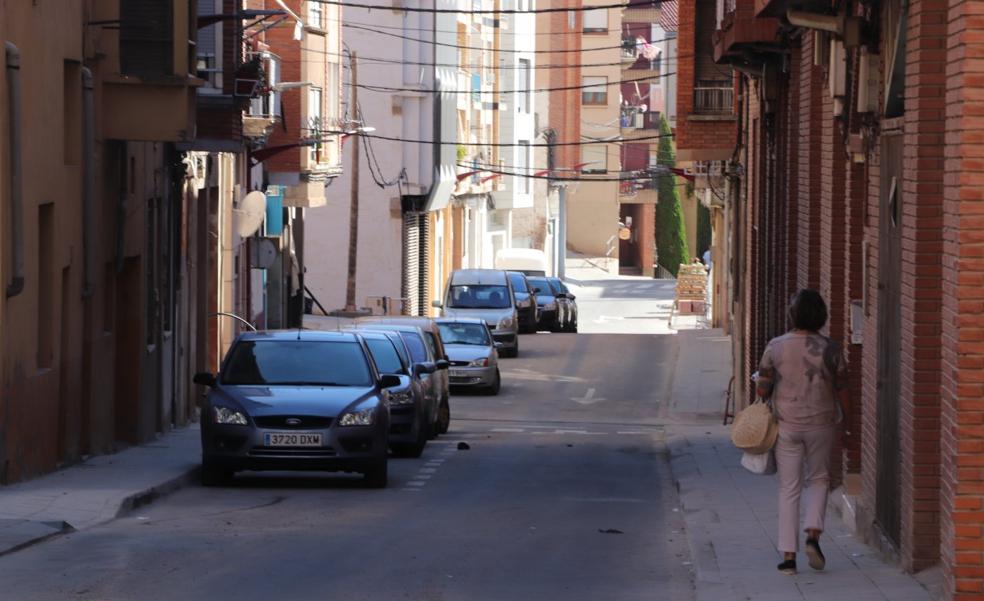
(396, 320)
(302, 335)
(387, 325)
(479, 277)
(474, 320)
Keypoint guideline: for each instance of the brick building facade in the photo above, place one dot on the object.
(857, 172)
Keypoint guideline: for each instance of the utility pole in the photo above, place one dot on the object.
(354, 209)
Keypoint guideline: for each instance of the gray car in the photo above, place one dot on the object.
(297, 400)
(473, 354)
(412, 412)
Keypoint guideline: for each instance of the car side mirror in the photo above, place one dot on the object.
(437, 304)
(204, 378)
(389, 381)
(571, 296)
(537, 291)
(424, 368)
(442, 364)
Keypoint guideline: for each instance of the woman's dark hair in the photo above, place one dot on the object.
(807, 310)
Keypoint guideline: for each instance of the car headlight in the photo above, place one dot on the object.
(225, 415)
(483, 362)
(399, 398)
(505, 323)
(552, 306)
(361, 417)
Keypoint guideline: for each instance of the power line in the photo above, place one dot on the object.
(577, 32)
(497, 144)
(634, 176)
(607, 84)
(630, 4)
(534, 66)
(481, 49)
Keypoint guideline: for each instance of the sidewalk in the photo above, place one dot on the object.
(731, 514)
(97, 490)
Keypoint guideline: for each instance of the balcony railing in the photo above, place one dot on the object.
(633, 119)
(714, 97)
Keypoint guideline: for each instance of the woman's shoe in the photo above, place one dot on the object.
(817, 560)
(788, 567)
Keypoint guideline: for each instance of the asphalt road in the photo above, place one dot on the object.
(564, 493)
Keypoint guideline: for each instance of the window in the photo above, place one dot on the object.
(596, 157)
(572, 19)
(525, 83)
(296, 362)
(268, 105)
(316, 14)
(315, 126)
(594, 90)
(596, 21)
(523, 166)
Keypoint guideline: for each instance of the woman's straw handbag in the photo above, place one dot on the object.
(755, 429)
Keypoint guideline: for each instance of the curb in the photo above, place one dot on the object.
(159, 491)
(57, 529)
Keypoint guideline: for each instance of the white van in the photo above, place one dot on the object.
(529, 261)
(486, 294)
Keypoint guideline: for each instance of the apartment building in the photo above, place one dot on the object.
(404, 183)
(93, 335)
(592, 213)
(648, 57)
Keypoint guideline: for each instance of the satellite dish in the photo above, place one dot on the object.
(250, 214)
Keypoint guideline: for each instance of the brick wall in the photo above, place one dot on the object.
(922, 204)
(962, 427)
(808, 197)
(282, 43)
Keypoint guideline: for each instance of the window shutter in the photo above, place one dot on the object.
(147, 38)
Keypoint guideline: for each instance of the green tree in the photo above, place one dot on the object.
(671, 231)
(703, 229)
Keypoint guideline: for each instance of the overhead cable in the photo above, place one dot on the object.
(607, 84)
(452, 11)
(500, 144)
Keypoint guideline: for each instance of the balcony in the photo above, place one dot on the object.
(635, 118)
(739, 31)
(149, 93)
(714, 97)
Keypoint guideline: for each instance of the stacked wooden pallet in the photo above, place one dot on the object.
(691, 289)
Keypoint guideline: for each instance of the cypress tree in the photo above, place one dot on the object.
(671, 232)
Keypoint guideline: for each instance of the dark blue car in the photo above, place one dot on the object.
(297, 400)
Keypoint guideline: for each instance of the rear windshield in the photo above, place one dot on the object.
(542, 284)
(416, 345)
(479, 296)
(558, 285)
(518, 282)
(297, 363)
(385, 356)
(465, 333)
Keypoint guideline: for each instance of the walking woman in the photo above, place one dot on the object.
(805, 374)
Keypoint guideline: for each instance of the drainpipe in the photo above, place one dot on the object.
(16, 285)
(88, 181)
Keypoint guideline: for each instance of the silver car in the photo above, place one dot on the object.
(486, 294)
(473, 353)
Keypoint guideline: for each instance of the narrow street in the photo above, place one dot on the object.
(564, 493)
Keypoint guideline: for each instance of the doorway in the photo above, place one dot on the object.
(887, 495)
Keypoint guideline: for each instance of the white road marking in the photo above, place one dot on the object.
(529, 374)
(427, 470)
(422, 477)
(570, 431)
(630, 433)
(588, 398)
(508, 430)
(416, 483)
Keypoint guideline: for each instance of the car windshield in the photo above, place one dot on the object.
(544, 286)
(558, 286)
(465, 333)
(518, 282)
(479, 296)
(416, 345)
(384, 354)
(297, 363)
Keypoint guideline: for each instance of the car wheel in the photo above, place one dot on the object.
(412, 449)
(378, 475)
(213, 475)
(443, 417)
(496, 384)
(574, 327)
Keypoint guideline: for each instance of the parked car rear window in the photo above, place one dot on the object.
(479, 296)
(297, 363)
(385, 356)
(559, 285)
(518, 282)
(416, 346)
(465, 333)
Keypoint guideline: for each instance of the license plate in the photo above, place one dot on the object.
(457, 373)
(292, 439)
